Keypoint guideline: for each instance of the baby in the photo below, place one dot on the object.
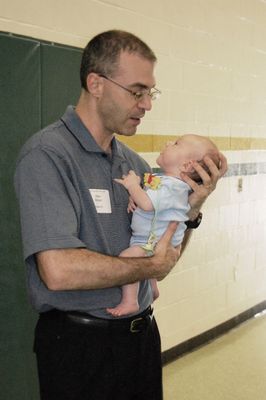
(164, 198)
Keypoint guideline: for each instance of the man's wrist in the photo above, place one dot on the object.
(193, 213)
(195, 223)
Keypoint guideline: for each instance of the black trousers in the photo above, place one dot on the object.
(78, 362)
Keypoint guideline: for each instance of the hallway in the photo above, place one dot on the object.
(232, 367)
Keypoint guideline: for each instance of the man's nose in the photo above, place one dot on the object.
(145, 102)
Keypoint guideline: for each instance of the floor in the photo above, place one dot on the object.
(232, 367)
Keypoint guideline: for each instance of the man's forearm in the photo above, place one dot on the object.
(81, 269)
(193, 213)
(186, 240)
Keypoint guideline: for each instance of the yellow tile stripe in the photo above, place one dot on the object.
(153, 143)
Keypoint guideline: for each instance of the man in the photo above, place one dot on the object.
(75, 224)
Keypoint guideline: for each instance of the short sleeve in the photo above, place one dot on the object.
(49, 205)
(171, 200)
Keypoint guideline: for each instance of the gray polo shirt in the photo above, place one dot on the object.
(68, 199)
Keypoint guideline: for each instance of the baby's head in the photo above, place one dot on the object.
(178, 156)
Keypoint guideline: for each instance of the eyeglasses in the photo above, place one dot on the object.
(138, 96)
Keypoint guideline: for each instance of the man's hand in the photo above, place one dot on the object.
(209, 182)
(165, 255)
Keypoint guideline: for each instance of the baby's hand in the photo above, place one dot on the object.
(131, 205)
(129, 180)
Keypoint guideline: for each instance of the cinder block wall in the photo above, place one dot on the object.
(212, 72)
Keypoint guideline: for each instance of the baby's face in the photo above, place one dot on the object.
(176, 153)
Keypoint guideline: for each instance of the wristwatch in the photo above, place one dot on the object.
(194, 224)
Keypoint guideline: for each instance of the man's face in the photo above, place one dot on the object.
(120, 112)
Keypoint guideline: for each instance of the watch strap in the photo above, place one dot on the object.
(196, 223)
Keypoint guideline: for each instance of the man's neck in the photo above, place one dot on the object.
(89, 117)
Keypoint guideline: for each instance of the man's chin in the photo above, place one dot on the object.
(127, 132)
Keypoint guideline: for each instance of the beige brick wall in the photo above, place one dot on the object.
(223, 272)
(212, 71)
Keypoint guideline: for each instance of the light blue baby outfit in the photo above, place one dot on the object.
(170, 202)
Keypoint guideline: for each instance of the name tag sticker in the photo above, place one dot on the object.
(101, 200)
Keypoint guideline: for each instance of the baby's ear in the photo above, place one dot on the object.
(188, 167)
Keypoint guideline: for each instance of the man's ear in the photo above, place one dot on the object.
(94, 84)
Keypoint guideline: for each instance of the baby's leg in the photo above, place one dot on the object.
(129, 303)
(154, 287)
(134, 251)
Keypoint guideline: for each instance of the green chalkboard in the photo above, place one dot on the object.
(37, 81)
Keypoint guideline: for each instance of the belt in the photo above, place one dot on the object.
(136, 324)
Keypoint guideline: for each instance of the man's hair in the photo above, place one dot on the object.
(101, 55)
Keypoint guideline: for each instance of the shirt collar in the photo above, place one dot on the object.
(83, 135)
